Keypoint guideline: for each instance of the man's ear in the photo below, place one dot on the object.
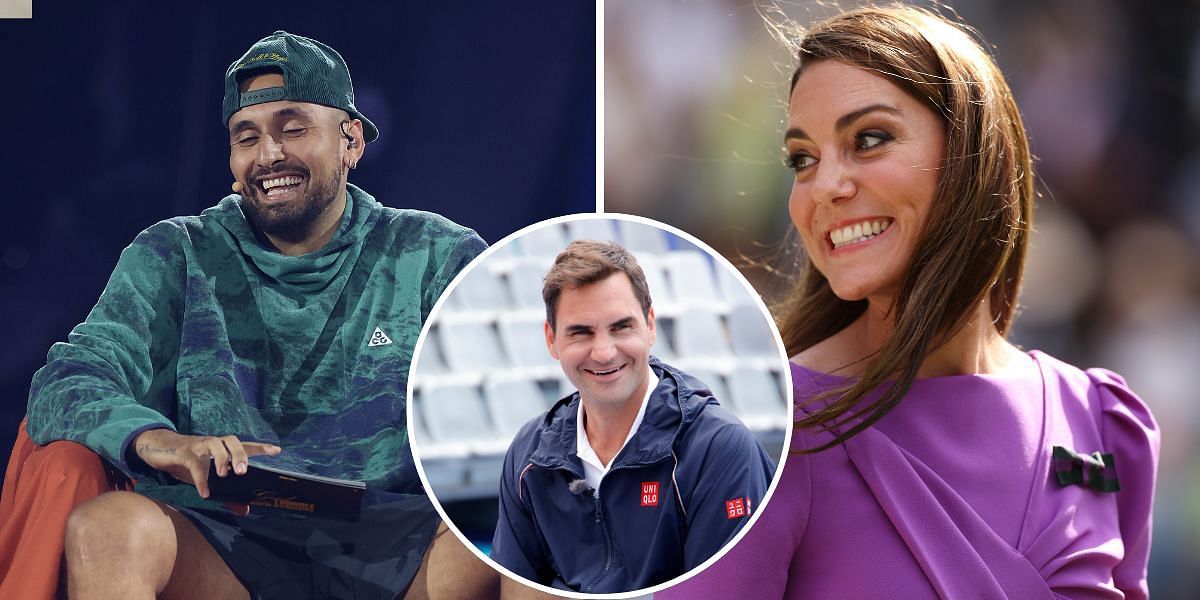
(550, 340)
(650, 326)
(356, 143)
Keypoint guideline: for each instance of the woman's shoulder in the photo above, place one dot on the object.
(1104, 394)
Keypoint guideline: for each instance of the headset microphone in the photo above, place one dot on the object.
(237, 187)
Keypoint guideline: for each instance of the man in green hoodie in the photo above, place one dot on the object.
(279, 325)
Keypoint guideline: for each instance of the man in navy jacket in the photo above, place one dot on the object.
(640, 475)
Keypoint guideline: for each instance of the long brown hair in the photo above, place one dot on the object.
(973, 244)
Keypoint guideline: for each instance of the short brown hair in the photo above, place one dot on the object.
(585, 262)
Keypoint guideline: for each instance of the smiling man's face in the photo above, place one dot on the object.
(289, 158)
(602, 340)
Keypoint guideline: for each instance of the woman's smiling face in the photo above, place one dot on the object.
(866, 157)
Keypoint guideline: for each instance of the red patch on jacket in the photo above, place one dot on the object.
(649, 493)
(737, 508)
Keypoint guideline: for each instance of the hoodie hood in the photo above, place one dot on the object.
(310, 272)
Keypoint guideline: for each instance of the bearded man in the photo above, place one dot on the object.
(278, 324)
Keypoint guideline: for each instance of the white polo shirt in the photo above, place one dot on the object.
(593, 469)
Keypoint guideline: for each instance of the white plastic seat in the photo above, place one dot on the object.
(523, 336)
(525, 282)
(656, 281)
(731, 288)
(549, 241)
(597, 229)
(429, 361)
(513, 401)
(482, 290)
(691, 278)
(455, 412)
(751, 333)
(640, 238)
(471, 344)
(700, 334)
(758, 395)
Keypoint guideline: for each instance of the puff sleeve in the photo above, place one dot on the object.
(1131, 433)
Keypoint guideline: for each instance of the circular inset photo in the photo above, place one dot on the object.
(599, 405)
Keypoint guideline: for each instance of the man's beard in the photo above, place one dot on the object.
(293, 222)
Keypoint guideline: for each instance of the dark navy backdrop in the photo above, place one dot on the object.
(112, 121)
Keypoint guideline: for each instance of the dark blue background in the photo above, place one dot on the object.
(112, 121)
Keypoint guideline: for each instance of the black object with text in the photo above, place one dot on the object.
(300, 493)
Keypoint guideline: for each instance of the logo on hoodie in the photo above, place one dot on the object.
(379, 338)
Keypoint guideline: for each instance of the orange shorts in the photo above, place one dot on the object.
(42, 486)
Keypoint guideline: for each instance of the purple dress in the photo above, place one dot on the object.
(954, 494)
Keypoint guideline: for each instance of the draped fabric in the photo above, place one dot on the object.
(953, 495)
(42, 485)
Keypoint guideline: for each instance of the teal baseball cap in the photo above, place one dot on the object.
(312, 72)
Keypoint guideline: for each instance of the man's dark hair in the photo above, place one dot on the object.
(585, 262)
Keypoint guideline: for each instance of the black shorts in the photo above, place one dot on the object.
(280, 555)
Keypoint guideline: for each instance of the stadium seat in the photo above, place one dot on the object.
(731, 287)
(429, 361)
(758, 395)
(455, 413)
(544, 241)
(642, 239)
(470, 344)
(513, 400)
(525, 282)
(523, 337)
(700, 334)
(481, 290)
(691, 278)
(656, 282)
(597, 229)
(751, 333)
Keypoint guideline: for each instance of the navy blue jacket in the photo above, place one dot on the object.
(681, 488)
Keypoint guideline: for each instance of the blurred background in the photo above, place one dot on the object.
(113, 122)
(483, 369)
(695, 99)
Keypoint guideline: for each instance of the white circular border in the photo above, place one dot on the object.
(607, 216)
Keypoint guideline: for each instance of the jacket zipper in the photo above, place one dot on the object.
(607, 540)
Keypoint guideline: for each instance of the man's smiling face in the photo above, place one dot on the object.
(602, 340)
(289, 158)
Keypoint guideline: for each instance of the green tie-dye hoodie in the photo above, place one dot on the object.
(204, 330)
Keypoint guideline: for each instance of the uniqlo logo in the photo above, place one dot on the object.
(649, 493)
(736, 508)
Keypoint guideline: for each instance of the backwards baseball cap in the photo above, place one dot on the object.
(312, 72)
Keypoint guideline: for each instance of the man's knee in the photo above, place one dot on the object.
(121, 526)
(455, 572)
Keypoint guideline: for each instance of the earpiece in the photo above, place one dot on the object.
(353, 143)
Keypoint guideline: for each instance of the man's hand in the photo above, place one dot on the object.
(186, 457)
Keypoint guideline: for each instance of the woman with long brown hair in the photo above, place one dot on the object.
(931, 457)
